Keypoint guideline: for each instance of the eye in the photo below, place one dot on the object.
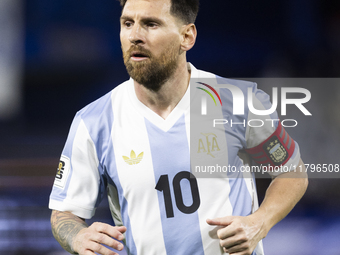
(152, 24)
(128, 24)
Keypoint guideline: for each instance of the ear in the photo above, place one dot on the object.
(188, 39)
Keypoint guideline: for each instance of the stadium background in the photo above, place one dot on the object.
(57, 56)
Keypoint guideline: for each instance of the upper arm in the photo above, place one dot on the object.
(57, 216)
(269, 144)
(77, 184)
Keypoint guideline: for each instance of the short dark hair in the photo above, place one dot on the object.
(185, 10)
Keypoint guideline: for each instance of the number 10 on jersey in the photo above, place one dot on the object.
(163, 185)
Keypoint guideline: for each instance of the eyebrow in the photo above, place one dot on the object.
(143, 19)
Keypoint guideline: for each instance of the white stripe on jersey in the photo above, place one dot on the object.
(214, 197)
(214, 204)
(137, 180)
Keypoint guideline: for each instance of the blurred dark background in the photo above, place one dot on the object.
(58, 56)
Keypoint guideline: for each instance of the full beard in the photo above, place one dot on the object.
(153, 72)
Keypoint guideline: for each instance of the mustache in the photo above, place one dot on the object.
(140, 50)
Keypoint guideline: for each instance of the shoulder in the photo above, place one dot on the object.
(102, 107)
(96, 119)
(218, 80)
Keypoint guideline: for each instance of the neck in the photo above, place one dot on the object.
(165, 100)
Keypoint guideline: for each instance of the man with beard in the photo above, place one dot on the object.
(134, 143)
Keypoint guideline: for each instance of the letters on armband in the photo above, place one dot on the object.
(276, 150)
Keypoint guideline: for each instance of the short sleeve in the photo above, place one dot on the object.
(77, 182)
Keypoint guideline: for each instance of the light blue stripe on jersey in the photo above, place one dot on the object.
(170, 155)
(239, 196)
(57, 193)
(99, 118)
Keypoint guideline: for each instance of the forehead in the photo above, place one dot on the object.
(160, 8)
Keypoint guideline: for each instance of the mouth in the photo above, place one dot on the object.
(138, 56)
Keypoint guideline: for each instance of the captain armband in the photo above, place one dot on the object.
(276, 150)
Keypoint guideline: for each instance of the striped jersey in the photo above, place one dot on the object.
(143, 161)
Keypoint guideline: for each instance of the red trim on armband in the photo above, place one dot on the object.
(274, 151)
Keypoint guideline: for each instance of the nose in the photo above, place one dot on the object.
(136, 36)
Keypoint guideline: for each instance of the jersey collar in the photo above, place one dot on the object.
(181, 108)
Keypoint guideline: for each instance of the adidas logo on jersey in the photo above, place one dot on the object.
(133, 160)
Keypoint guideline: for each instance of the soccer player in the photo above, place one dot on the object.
(134, 142)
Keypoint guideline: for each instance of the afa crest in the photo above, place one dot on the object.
(208, 145)
(276, 151)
